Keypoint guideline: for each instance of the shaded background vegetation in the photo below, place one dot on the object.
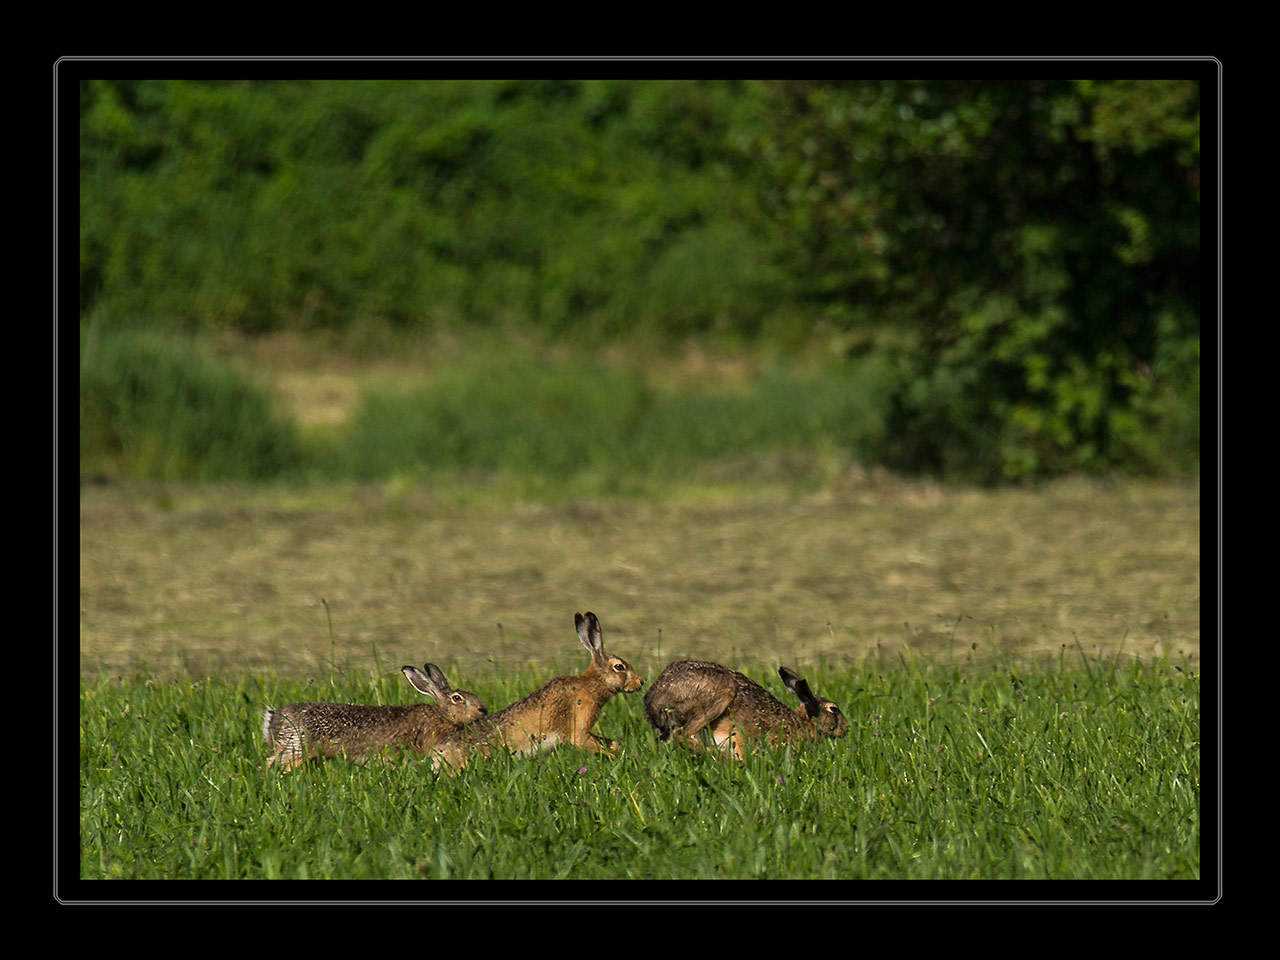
(978, 280)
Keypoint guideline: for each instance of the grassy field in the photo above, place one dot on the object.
(1079, 770)
(1020, 669)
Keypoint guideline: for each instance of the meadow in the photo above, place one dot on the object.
(1021, 671)
(1079, 770)
(1020, 665)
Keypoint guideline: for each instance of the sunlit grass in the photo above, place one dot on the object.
(552, 423)
(1073, 770)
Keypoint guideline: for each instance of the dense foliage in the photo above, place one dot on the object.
(1027, 253)
(1041, 239)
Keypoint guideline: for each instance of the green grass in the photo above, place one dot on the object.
(1070, 770)
(156, 407)
(570, 425)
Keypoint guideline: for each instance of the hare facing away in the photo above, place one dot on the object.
(563, 710)
(692, 695)
(302, 731)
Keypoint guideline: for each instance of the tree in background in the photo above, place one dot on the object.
(1026, 254)
(1032, 250)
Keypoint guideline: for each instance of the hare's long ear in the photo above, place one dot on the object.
(437, 677)
(589, 632)
(421, 682)
(800, 687)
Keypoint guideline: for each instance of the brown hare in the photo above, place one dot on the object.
(302, 731)
(563, 710)
(692, 695)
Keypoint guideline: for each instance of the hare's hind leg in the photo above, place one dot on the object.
(285, 759)
(293, 761)
(289, 748)
(290, 753)
(727, 735)
(449, 758)
(594, 744)
(708, 712)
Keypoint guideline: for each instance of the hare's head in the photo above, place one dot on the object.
(460, 706)
(616, 674)
(826, 717)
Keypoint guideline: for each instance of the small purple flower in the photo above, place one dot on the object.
(582, 769)
(779, 778)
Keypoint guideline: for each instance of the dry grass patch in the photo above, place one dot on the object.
(218, 580)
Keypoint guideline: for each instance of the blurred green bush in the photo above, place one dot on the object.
(1024, 255)
(153, 407)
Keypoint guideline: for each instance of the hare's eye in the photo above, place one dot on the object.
(620, 667)
(456, 698)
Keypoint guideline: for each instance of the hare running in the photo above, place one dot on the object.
(301, 731)
(563, 710)
(690, 695)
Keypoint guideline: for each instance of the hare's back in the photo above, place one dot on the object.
(758, 707)
(342, 719)
(691, 682)
(692, 674)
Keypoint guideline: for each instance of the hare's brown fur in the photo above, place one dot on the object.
(303, 731)
(690, 696)
(563, 710)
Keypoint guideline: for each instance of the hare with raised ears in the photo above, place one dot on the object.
(302, 731)
(692, 695)
(563, 710)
